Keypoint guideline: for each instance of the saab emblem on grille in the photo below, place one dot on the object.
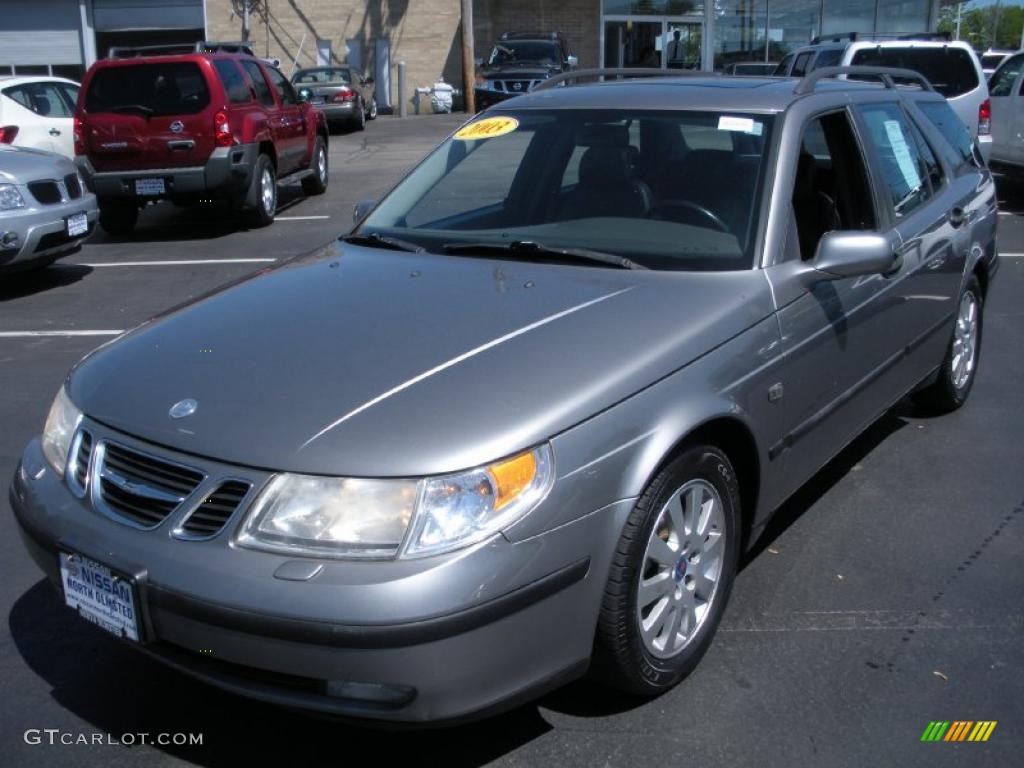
(177, 126)
(183, 408)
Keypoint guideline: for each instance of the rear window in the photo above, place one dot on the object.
(950, 70)
(234, 85)
(323, 76)
(175, 88)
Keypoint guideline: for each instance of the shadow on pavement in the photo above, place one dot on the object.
(18, 285)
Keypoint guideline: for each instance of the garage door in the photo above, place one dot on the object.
(123, 15)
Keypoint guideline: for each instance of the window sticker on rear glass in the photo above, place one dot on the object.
(742, 124)
(488, 128)
(901, 152)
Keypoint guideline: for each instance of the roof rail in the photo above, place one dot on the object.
(170, 49)
(619, 72)
(885, 74)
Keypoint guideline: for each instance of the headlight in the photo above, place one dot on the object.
(10, 197)
(349, 517)
(61, 424)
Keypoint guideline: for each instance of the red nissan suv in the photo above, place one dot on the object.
(203, 125)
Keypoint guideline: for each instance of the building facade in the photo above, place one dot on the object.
(65, 36)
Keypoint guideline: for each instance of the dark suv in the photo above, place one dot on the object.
(517, 63)
(204, 125)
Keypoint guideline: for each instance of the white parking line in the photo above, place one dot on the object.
(1012, 255)
(300, 218)
(21, 334)
(178, 263)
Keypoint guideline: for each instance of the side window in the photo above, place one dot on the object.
(70, 93)
(903, 166)
(783, 68)
(831, 189)
(45, 99)
(952, 128)
(284, 89)
(829, 58)
(259, 83)
(932, 167)
(1001, 82)
(800, 65)
(231, 79)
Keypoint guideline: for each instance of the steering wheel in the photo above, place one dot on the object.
(666, 205)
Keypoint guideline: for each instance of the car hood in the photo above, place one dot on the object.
(366, 362)
(19, 165)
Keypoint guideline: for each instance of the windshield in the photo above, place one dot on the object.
(508, 52)
(177, 88)
(322, 76)
(665, 189)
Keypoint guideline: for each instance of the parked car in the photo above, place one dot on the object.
(37, 112)
(991, 59)
(45, 210)
(952, 67)
(750, 68)
(529, 413)
(1006, 88)
(343, 94)
(518, 62)
(200, 125)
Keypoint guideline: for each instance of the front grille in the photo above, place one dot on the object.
(73, 187)
(518, 86)
(82, 458)
(141, 489)
(216, 509)
(46, 192)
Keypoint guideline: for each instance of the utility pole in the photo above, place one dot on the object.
(468, 57)
(959, 12)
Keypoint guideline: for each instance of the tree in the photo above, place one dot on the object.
(988, 27)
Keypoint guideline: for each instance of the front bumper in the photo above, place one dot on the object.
(485, 97)
(39, 233)
(228, 169)
(436, 639)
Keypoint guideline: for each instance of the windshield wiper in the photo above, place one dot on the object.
(374, 240)
(530, 248)
(140, 108)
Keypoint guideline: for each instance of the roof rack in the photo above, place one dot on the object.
(203, 46)
(885, 74)
(619, 72)
(856, 36)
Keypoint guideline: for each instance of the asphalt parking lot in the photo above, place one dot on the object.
(887, 593)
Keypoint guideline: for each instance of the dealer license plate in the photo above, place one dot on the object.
(149, 187)
(99, 595)
(77, 225)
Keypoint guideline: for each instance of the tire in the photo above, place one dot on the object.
(626, 656)
(261, 199)
(360, 121)
(956, 374)
(119, 218)
(372, 114)
(317, 183)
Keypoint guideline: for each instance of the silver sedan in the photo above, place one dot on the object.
(45, 209)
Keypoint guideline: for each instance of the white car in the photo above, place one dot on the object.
(1005, 86)
(38, 112)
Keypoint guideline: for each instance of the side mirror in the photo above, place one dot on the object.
(360, 209)
(849, 254)
(572, 61)
(305, 94)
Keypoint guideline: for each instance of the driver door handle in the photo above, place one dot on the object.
(54, 132)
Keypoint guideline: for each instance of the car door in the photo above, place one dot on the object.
(838, 335)
(1006, 93)
(43, 115)
(289, 124)
(931, 216)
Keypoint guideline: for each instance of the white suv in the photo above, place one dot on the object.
(951, 66)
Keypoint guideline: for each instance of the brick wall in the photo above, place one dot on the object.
(578, 20)
(423, 33)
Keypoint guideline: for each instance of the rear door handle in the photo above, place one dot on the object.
(54, 132)
(957, 216)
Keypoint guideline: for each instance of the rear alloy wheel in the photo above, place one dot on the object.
(956, 374)
(316, 184)
(360, 122)
(119, 217)
(262, 197)
(671, 575)
(372, 114)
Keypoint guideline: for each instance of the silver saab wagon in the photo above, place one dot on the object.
(524, 420)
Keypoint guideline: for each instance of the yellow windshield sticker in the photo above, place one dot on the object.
(487, 128)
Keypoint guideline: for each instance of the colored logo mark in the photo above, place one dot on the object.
(958, 730)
